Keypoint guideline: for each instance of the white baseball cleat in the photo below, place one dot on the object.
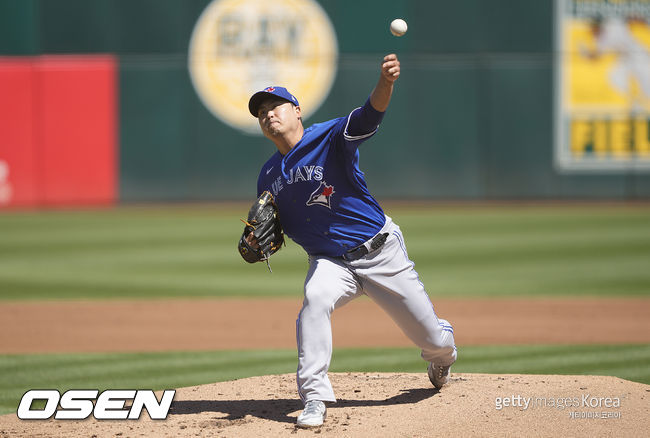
(438, 375)
(313, 415)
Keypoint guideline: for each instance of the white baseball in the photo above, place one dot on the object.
(398, 27)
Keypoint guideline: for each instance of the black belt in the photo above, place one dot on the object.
(362, 250)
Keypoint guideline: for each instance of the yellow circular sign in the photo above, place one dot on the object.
(239, 47)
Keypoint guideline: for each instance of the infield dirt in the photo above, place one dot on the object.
(214, 324)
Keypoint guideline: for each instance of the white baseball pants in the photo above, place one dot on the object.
(388, 277)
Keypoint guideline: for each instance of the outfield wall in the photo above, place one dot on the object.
(472, 116)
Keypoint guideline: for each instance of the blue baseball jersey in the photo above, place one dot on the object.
(321, 193)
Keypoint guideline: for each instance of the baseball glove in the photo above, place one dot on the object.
(264, 224)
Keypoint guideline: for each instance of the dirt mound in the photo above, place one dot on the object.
(386, 405)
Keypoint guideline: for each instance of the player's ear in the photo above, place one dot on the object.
(298, 112)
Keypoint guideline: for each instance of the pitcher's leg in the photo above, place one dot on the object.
(329, 285)
(389, 279)
(413, 312)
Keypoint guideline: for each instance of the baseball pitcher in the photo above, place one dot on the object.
(313, 190)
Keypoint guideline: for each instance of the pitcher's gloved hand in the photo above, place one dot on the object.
(263, 235)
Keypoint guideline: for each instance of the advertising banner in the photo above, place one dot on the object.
(239, 47)
(58, 130)
(602, 85)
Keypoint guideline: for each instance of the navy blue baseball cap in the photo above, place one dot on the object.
(257, 98)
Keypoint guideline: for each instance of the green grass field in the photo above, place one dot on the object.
(190, 251)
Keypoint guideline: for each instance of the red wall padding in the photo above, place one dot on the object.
(18, 185)
(58, 130)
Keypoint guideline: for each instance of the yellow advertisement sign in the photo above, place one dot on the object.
(603, 85)
(239, 47)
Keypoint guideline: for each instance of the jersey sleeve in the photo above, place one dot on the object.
(361, 124)
(353, 130)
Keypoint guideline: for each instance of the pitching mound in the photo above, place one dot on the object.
(387, 405)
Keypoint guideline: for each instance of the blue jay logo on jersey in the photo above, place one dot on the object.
(322, 195)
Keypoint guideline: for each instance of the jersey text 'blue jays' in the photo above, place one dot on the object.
(321, 193)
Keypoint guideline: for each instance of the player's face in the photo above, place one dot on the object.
(277, 117)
